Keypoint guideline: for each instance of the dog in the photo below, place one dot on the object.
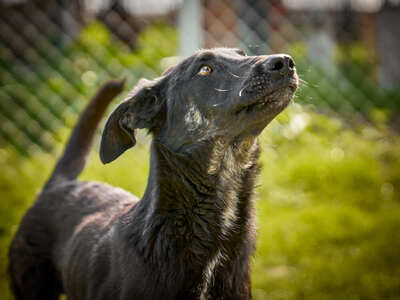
(193, 232)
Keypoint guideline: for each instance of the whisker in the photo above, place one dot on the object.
(303, 81)
(234, 75)
(221, 104)
(221, 90)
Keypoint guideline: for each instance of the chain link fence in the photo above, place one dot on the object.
(329, 199)
(53, 54)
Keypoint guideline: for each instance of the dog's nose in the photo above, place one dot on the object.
(279, 65)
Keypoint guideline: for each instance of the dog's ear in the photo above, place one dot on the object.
(141, 109)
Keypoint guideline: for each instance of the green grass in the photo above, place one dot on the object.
(328, 206)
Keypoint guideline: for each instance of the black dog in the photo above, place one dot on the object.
(192, 233)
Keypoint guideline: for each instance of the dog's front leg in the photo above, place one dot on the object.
(232, 280)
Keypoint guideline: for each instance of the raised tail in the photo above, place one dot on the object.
(73, 160)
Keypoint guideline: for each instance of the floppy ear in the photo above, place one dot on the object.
(141, 109)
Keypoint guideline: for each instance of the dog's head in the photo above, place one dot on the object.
(213, 93)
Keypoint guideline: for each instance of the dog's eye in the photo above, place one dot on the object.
(205, 70)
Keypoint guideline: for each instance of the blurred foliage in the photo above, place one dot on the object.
(329, 198)
(328, 208)
(349, 86)
(95, 49)
(44, 93)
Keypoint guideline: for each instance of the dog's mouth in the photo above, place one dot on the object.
(277, 96)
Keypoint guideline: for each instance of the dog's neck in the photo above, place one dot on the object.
(200, 187)
(202, 199)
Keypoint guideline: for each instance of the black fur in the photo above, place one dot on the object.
(192, 233)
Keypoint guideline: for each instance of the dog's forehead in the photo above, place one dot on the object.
(219, 53)
(215, 54)
(208, 56)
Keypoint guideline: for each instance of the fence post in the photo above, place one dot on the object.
(190, 22)
(253, 36)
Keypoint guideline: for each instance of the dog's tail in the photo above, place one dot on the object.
(73, 160)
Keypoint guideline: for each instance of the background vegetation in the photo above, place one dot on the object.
(328, 197)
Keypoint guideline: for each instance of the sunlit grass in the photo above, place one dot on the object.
(328, 206)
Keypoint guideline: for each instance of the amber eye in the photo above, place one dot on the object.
(205, 70)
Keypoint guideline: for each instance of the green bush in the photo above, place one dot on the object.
(40, 97)
(329, 211)
(350, 83)
(328, 208)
